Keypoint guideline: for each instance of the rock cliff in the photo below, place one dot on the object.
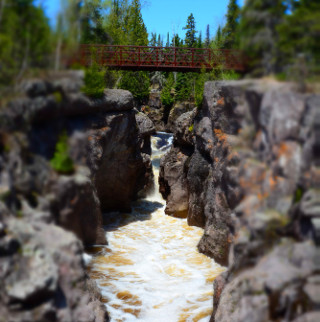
(47, 216)
(245, 167)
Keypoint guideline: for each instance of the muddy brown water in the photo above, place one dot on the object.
(151, 270)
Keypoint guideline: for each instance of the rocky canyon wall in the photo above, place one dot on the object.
(246, 168)
(47, 217)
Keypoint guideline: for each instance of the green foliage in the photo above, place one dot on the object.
(58, 97)
(93, 20)
(25, 39)
(299, 32)
(61, 162)
(94, 81)
(183, 88)
(138, 83)
(125, 24)
(190, 28)
(166, 98)
(191, 128)
(298, 195)
(230, 30)
(199, 87)
(258, 35)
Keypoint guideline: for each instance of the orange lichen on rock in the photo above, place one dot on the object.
(220, 101)
(222, 137)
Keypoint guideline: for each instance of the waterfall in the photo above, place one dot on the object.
(151, 270)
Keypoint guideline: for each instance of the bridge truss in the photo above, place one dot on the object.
(147, 58)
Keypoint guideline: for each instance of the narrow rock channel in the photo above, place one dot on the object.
(151, 269)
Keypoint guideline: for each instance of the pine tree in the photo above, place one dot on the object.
(168, 40)
(293, 38)
(190, 39)
(25, 39)
(199, 40)
(258, 34)
(92, 21)
(176, 41)
(207, 41)
(136, 28)
(116, 22)
(153, 40)
(229, 31)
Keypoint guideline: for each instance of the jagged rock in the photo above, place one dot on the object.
(310, 203)
(184, 130)
(274, 118)
(288, 264)
(36, 87)
(145, 125)
(117, 100)
(116, 163)
(77, 208)
(154, 99)
(48, 281)
(177, 110)
(308, 317)
(173, 183)
(254, 155)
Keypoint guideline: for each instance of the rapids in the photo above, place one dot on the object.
(151, 270)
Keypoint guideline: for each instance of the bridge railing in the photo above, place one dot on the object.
(160, 58)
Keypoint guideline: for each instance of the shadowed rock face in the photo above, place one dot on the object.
(42, 276)
(42, 272)
(251, 179)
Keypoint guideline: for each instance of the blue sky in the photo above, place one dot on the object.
(162, 16)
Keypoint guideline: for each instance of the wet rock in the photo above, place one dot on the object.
(173, 183)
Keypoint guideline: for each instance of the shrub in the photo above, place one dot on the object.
(61, 161)
(138, 83)
(94, 82)
(167, 98)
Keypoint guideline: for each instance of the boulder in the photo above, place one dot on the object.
(77, 207)
(44, 280)
(173, 183)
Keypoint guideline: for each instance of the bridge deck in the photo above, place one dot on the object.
(161, 58)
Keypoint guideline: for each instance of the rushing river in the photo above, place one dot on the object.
(151, 270)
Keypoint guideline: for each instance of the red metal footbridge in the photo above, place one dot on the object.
(169, 59)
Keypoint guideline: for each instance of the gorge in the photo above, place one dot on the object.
(242, 171)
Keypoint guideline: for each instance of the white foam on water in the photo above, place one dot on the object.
(151, 270)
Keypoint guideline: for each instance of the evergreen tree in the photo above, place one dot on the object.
(116, 25)
(153, 40)
(229, 31)
(92, 21)
(299, 32)
(199, 40)
(137, 30)
(190, 39)
(25, 39)
(207, 41)
(258, 34)
(168, 41)
(176, 41)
